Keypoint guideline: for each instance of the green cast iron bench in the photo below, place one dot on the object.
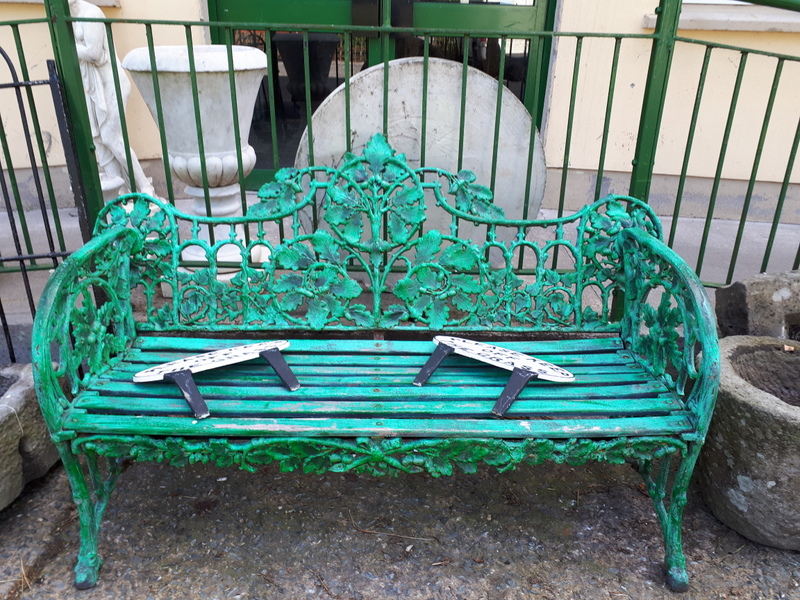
(358, 268)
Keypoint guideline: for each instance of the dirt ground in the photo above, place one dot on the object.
(552, 531)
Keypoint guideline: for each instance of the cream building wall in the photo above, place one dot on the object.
(721, 25)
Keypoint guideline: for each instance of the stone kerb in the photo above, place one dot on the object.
(26, 451)
(764, 305)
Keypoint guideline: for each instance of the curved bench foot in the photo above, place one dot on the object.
(678, 579)
(87, 571)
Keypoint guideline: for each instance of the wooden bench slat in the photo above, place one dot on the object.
(348, 427)
(272, 387)
(256, 369)
(193, 345)
(663, 404)
(354, 360)
(311, 376)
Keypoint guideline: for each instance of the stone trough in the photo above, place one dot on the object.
(26, 451)
(749, 470)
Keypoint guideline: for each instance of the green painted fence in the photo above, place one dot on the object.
(588, 122)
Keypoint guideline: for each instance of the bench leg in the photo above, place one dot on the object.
(671, 516)
(90, 491)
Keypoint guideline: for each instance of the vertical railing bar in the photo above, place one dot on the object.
(523, 89)
(23, 64)
(659, 67)
(532, 140)
(463, 114)
(273, 123)
(496, 133)
(498, 109)
(12, 222)
(423, 142)
(123, 122)
(348, 130)
(198, 122)
(77, 183)
(689, 145)
(23, 116)
(612, 83)
(568, 141)
(237, 133)
(426, 51)
(336, 67)
(309, 127)
(721, 162)
(307, 89)
(532, 45)
(796, 264)
(754, 172)
(385, 59)
(781, 199)
(159, 112)
(12, 176)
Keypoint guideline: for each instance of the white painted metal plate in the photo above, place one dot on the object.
(505, 358)
(209, 360)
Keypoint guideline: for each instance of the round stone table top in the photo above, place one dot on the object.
(443, 118)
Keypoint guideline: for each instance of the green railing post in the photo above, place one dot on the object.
(654, 96)
(88, 188)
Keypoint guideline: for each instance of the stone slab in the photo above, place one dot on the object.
(764, 305)
(26, 452)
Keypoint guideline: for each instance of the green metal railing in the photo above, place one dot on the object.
(32, 235)
(587, 122)
(780, 62)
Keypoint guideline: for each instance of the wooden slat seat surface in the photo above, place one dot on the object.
(363, 388)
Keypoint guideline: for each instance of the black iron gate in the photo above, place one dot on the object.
(32, 225)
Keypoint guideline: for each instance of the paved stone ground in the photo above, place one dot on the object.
(552, 532)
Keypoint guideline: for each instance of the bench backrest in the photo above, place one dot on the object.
(376, 244)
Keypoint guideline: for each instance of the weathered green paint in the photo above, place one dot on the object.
(444, 407)
(377, 456)
(354, 259)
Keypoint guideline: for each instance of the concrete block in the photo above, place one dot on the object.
(764, 305)
(26, 451)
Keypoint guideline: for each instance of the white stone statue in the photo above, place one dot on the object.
(101, 100)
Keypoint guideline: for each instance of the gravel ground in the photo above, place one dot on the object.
(551, 531)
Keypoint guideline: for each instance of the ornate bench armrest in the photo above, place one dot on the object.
(669, 322)
(84, 321)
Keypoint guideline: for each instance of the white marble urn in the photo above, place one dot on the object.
(216, 115)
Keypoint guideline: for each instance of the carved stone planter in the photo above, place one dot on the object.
(220, 143)
(749, 469)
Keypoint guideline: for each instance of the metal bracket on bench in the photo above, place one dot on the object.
(184, 380)
(441, 352)
(516, 383)
(282, 369)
